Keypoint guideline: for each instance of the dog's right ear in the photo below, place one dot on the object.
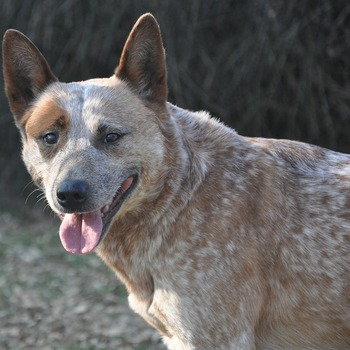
(26, 72)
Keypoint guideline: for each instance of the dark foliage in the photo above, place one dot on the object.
(265, 67)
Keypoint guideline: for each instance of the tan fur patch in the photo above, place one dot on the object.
(46, 116)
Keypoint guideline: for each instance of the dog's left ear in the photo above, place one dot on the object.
(142, 63)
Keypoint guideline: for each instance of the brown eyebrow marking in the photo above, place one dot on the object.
(46, 116)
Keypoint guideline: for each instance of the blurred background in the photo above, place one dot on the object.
(267, 68)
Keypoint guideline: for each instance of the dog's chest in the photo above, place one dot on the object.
(156, 311)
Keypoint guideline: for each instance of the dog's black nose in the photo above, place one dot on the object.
(71, 194)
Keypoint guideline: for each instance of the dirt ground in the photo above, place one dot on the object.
(50, 299)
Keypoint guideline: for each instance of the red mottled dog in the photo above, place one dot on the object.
(223, 241)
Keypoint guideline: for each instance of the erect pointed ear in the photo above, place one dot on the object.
(26, 72)
(142, 63)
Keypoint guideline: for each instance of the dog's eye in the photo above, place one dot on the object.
(112, 137)
(50, 138)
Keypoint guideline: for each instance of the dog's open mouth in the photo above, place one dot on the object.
(80, 233)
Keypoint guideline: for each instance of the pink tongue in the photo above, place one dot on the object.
(80, 233)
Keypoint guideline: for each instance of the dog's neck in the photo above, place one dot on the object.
(139, 236)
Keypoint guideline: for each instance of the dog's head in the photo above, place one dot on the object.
(93, 146)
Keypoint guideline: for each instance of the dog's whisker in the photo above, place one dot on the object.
(32, 193)
(47, 207)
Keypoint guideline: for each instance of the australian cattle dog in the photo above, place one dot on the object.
(222, 241)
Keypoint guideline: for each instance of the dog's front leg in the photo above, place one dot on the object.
(196, 329)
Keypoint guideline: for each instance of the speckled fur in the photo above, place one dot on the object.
(227, 242)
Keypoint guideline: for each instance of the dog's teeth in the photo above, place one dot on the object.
(104, 210)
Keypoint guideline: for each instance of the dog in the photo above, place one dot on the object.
(222, 241)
